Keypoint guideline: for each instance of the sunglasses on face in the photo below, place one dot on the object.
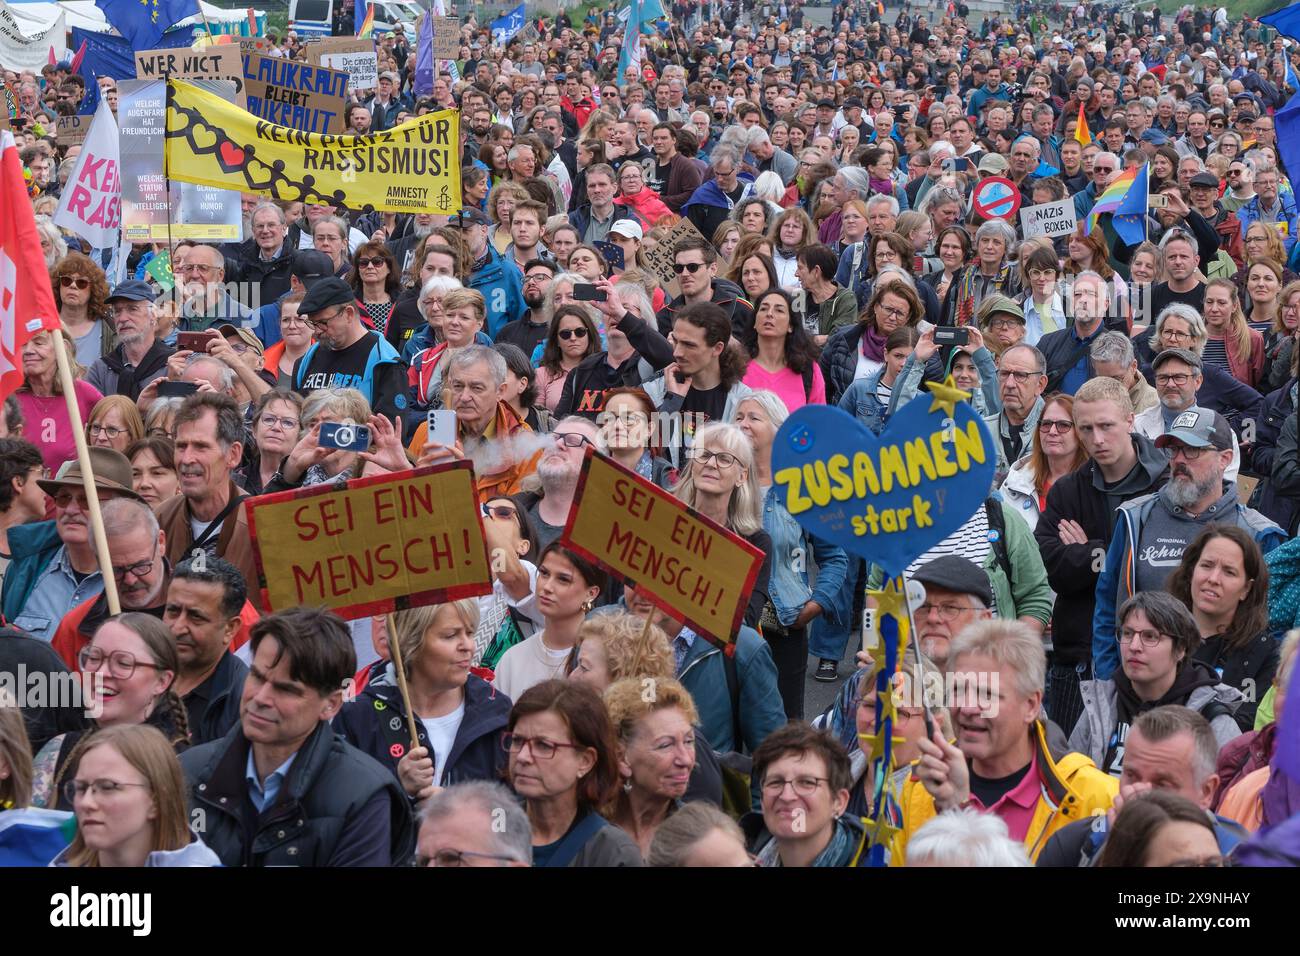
(566, 334)
(74, 282)
(691, 267)
(376, 262)
(504, 512)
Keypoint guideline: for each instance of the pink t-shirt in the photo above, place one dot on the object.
(47, 426)
(787, 384)
(1017, 806)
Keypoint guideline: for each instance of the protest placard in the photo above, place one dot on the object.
(414, 167)
(379, 544)
(295, 94)
(20, 51)
(886, 498)
(91, 202)
(72, 130)
(222, 62)
(691, 567)
(355, 57)
(446, 38)
(148, 199)
(1050, 219)
(659, 257)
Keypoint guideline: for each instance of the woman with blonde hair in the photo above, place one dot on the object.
(40, 396)
(918, 229)
(615, 645)
(720, 481)
(458, 715)
(1230, 343)
(699, 835)
(29, 836)
(463, 313)
(1262, 301)
(130, 798)
(656, 743)
(115, 423)
(725, 239)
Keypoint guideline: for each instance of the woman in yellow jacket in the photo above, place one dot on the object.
(1001, 762)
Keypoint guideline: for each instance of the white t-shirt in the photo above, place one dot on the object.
(442, 736)
(866, 367)
(528, 664)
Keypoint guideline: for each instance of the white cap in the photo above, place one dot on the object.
(628, 229)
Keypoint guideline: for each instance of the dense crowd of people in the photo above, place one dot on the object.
(1129, 581)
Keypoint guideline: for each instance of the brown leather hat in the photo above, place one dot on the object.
(112, 473)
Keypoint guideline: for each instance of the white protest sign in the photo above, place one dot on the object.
(20, 51)
(91, 204)
(353, 56)
(1050, 219)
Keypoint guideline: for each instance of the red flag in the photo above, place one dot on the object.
(76, 60)
(53, 61)
(26, 298)
(252, 22)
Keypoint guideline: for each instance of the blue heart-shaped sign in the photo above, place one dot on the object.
(886, 498)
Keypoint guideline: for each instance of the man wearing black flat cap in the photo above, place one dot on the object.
(139, 357)
(347, 354)
(957, 593)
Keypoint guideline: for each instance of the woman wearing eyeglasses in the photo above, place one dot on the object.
(571, 338)
(277, 428)
(81, 296)
(464, 312)
(128, 671)
(563, 762)
(858, 351)
(804, 777)
(375, 280)
(1040, 274)
(40, 397)
(295, 339)
(459, 716)
(114, 423)
(1055, 453)
(1158, 640)
(566, 590)
(130, 798)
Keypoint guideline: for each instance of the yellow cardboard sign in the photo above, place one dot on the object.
(413, 168)
(694, 569)
(377, 545)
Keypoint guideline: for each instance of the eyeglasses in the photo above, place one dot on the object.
(375, 261)
(64, 497)
(691, 267)
(724, 460)
(1148, 638)
(1189, 452)
(74, 282)
(572, 440)
(1019, 376)
(197, 267)
(542, 749)
(139, 569)
(72, 789)
(275, 421)
(803, 786)
(537, 277)
(121, 664)
(1004, 324)
(458, 857)
(504, 512)
(325, 319)
(947, 612)
(110, 432)
(1176, 378)
(566, 334)
(1060, 426)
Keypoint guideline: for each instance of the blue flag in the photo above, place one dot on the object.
(112, 56)
(504, 28)
(1286, 21)
(423, 84)
(1287, 122)
(143, 22)
(630, 55)
(1130, 216)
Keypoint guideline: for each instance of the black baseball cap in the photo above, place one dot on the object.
(1198, 428)
(133, 290)
(309, 266)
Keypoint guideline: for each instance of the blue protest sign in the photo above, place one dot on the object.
(505, 27)
(886, 498)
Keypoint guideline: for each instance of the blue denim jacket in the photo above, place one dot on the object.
(860, 401)
(789, 589)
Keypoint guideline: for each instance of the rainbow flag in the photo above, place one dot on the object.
(1082, 134)
(1112, 197)
(367, 29)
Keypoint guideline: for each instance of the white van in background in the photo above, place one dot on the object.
(314, 17)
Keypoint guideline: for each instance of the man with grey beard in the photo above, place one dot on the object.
(1153, 531)
(403, 248)
(558, 471)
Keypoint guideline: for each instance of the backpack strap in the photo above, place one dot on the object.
(571, 843)
(998, 535)
(808, 383)
(733, 691)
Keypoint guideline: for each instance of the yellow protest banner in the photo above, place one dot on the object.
(414, 167)
(693, 568)
(377, 545)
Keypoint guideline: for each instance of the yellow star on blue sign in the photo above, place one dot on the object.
(946, 396)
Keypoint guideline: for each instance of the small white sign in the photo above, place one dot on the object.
(1050, 219)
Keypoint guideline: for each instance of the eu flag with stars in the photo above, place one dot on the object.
(143, 22)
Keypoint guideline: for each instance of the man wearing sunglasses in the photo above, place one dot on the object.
(53, 566)
(1153, 531)
(695, 262)
(559, 469)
